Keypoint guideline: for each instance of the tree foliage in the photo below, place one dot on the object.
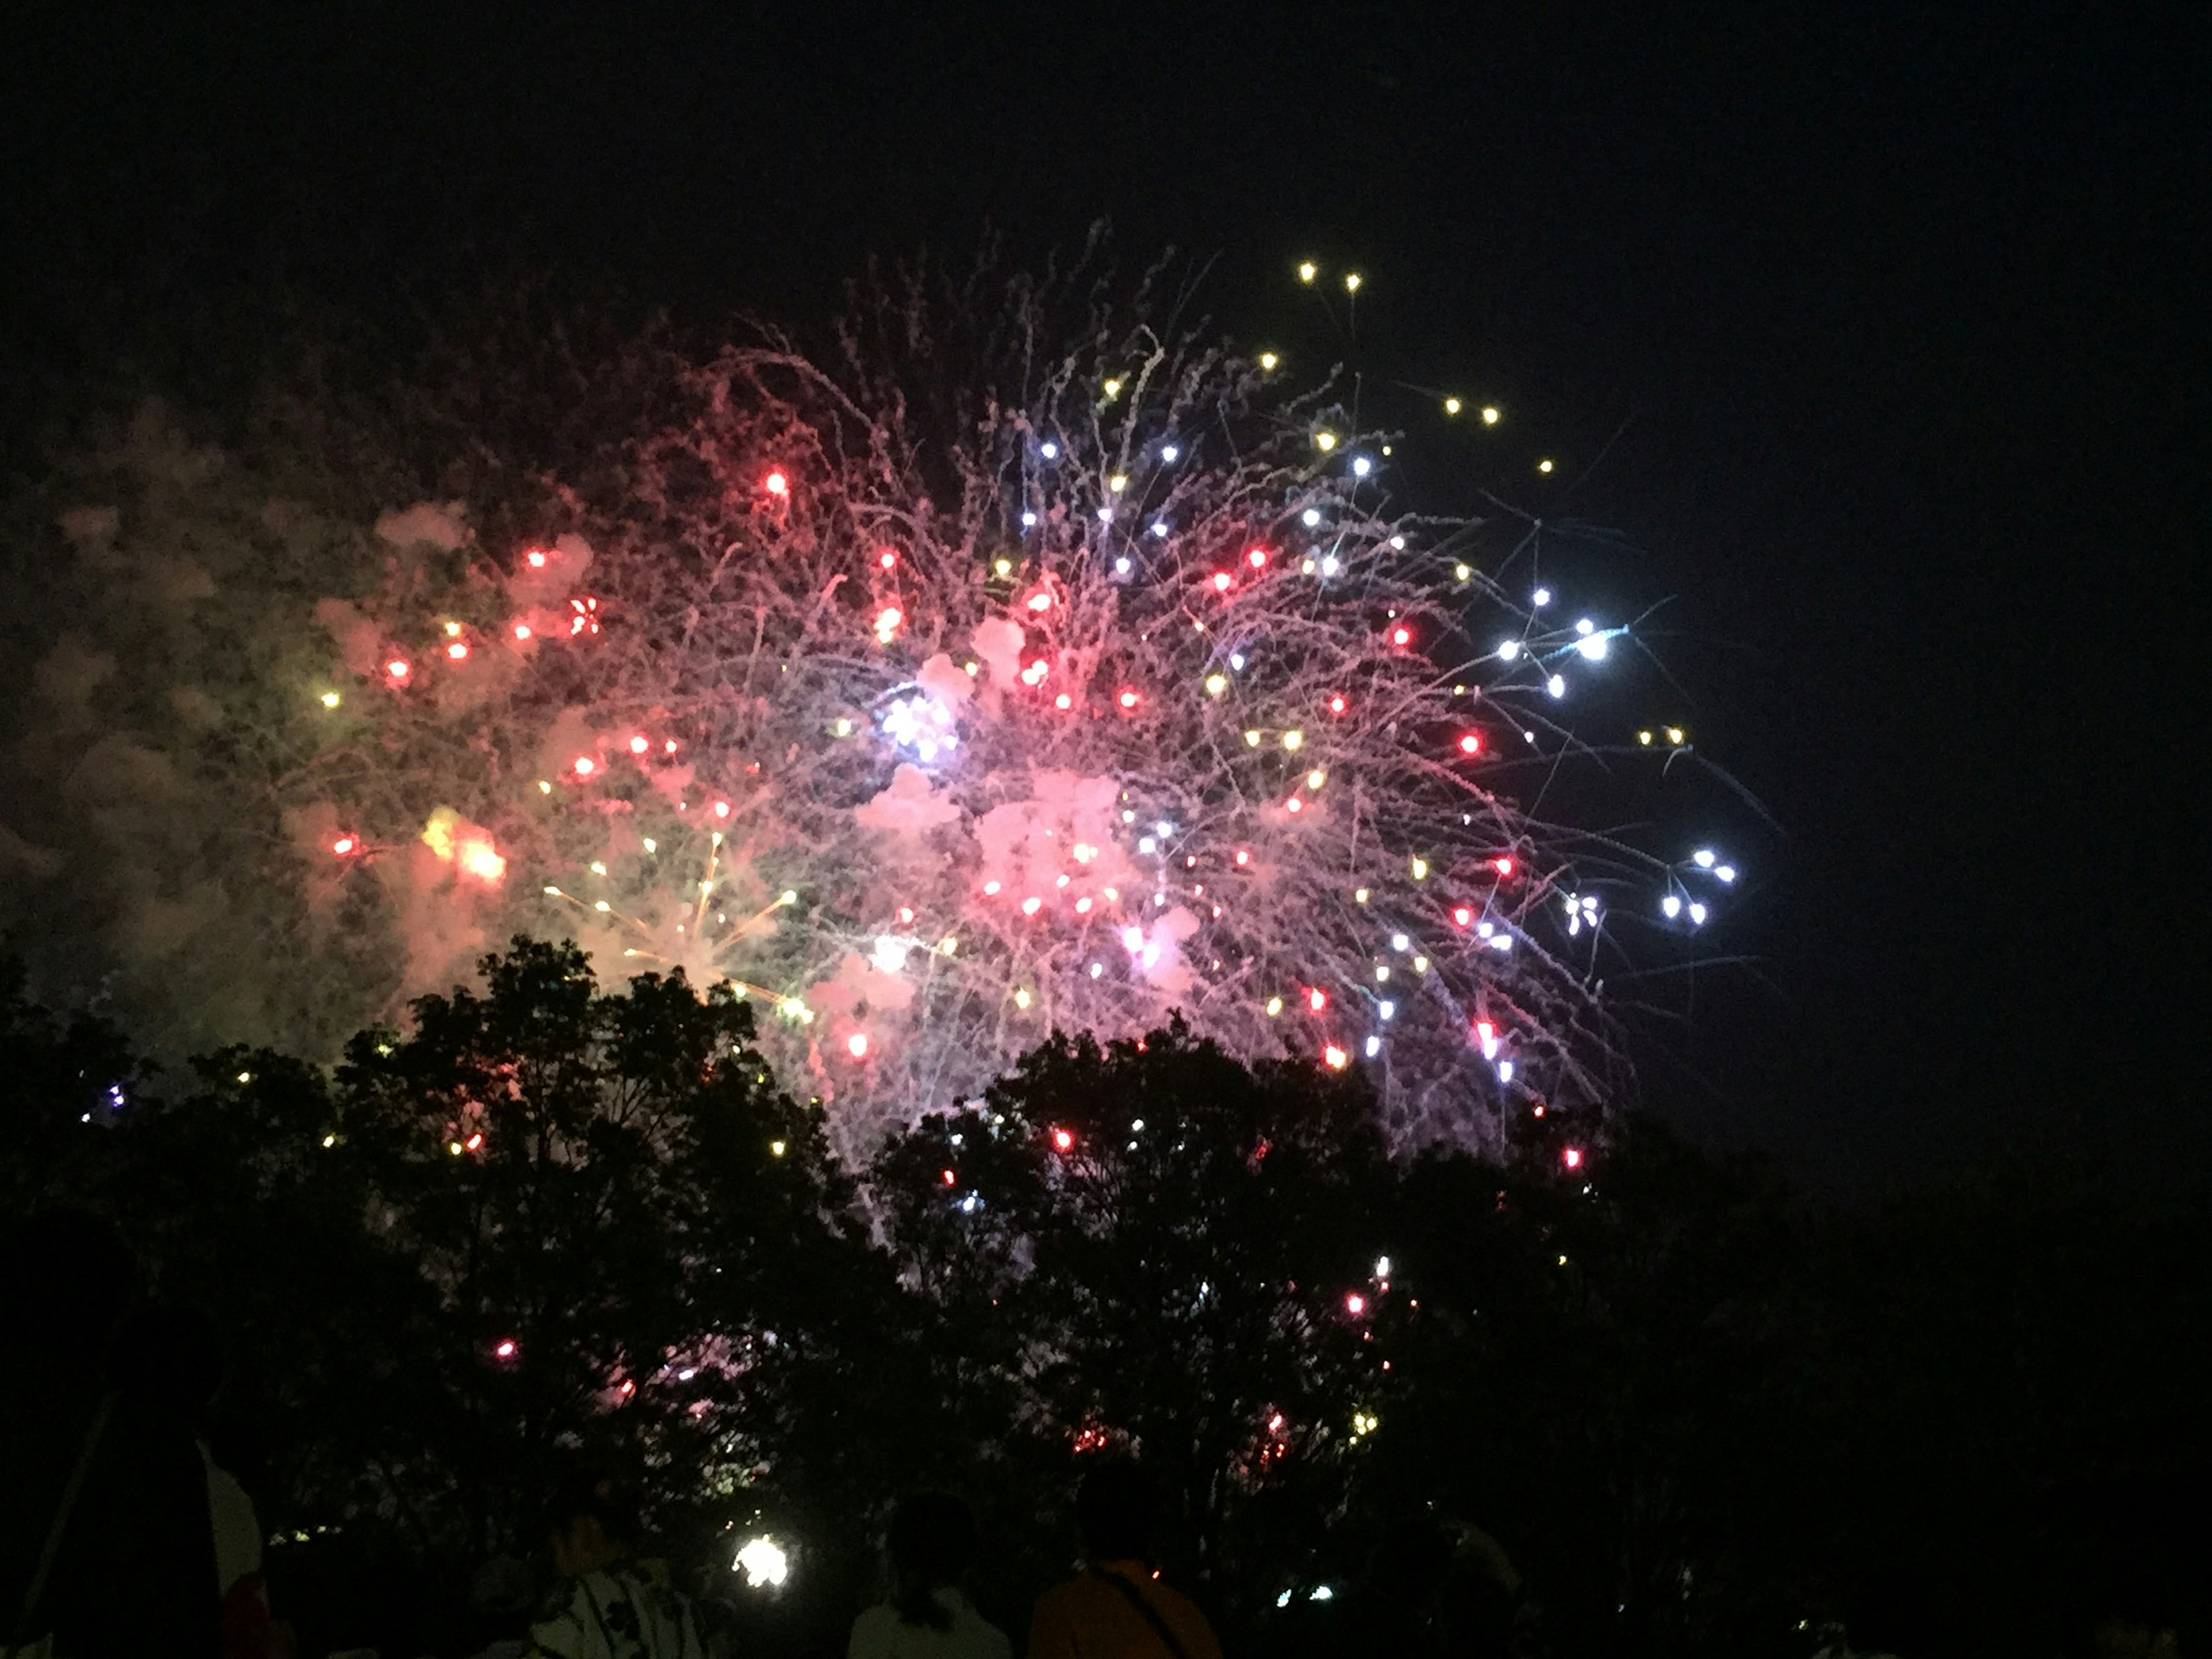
(1693, 1410)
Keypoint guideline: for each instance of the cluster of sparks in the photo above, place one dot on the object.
(1131, 691)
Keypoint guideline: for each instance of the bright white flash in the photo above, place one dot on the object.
(764, 1562)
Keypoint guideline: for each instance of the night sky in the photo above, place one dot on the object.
(1878, 334)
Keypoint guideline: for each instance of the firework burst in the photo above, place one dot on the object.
(1104, 683)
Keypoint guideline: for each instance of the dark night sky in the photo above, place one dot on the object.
(1905, 310)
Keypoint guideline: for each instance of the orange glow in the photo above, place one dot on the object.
(397, 668)
(537, 560)
(457, 651)
(343, 845)
(586, 766)
(522, 631)
(776, 484)
(639, 745)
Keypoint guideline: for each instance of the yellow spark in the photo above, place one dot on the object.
(1489, 415)
(1251, 739)
(1674, 735)
(1644, 736)
(1451, 405)
(1274, 1006)
(1294, 741)
(1324, 441)
(330, 699)
(1267, 361)
(1216, 684)
(1316, 778)
(1307, 271)
(1462, 572)
(1543, 467)
(1021, 998)
(1421, 869)
(1359, 895)
(1118, 482)
(776, 1149)
(1004, 567)
(1351, 282)
(453, 630)
(1112, 388)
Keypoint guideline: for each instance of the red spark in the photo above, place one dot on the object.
(1063, 1140)
(776, 484)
